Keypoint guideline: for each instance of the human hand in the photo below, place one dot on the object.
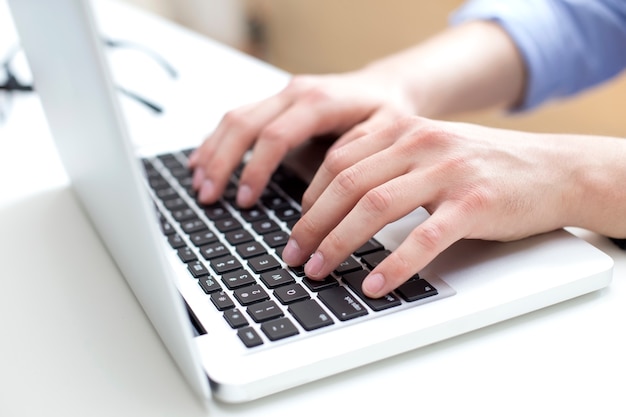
(346, 104)
(476, 182)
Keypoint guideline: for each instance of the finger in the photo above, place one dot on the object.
(296, 124)
(223, 151)
(444, 227)
(340, 159)
(378, 207)
(309, 116)
(335, 202)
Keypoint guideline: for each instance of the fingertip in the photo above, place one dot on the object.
(206, 194)
(292, 253)
(374, 284)
(245, 196)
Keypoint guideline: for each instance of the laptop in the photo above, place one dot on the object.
(238, 322)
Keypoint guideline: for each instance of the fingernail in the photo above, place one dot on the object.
(206, 190)
(198, 177)
(291, 253)
(244, 196)
(373, 284)
(314, 265)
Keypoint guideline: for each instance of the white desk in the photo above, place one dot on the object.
(75, 342)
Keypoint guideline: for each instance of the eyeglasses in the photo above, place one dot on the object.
(13, 84)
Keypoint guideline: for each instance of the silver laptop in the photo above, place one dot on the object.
(240, 323)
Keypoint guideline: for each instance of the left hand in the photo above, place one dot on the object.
(475, 182)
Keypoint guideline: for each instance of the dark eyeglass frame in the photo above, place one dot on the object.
(13, 84)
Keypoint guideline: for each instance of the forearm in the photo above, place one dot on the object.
(598, 175)
(469, 67)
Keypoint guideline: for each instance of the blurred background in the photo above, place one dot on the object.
(304, 36)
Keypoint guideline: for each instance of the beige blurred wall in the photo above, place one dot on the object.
(317, 36)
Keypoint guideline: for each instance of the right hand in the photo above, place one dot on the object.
(347, 105)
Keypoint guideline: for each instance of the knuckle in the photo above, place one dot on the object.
(427, 236)
(316, 94)
(377, 201)
(306, 227)
(276, 134)
(333, 245)
(236, 119)
(346, 182)
(334, 162)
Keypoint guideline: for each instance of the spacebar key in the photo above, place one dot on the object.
(342, 303)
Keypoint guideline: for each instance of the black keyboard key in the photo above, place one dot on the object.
(274, 279)
(227, 224)
(175, 204)
(310, 315)
(169, 160)
(209, 284)
(287, 213)
(214, 250)
(298, 270)
(222, 301)
(349, 265)
(253, 214)
(235, 318)
(314, 285)
(273, 201)
(355, 281)
(371, 245)
(193, 226)
(276, 239)
(186, 254)
(374, 258)
(279, 329)
(158, 183)
(197, 269)
(342, 304)
(180, 173)
(250, 249)
(176, 241)
(263, 263)
(263, 227)
(264, 311)
(183, 214)
(416, 289)
(291, 293)
(230, 193)
(166, 228)
(225, 264)
(239, 236)
(250, 295)
(166, 193)
(249, 337)
(238, 279)
(215, 211)
(202, 238)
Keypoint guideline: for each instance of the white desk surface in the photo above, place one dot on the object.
(74, 342)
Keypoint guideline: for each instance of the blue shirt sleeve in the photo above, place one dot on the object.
(567, 45)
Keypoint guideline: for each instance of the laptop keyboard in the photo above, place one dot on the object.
(235, 256)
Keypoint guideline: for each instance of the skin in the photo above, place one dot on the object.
(475, 181)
